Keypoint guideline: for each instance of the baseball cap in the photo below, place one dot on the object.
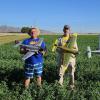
(66, 27)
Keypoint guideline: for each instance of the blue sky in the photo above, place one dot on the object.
(81, 15)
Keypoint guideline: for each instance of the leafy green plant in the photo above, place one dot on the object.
(87, 75)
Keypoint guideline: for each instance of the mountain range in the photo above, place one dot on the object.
(10, 29)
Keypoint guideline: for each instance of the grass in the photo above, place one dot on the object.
(87, 75)
(10, 38)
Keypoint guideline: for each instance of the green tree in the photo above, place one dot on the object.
(25, 29)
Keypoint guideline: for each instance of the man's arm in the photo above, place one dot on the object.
(67, 50)
(43, 48)
(75, 46)
(74, 50)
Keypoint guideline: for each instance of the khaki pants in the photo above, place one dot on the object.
(70, 68)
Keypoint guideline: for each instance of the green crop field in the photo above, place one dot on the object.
(87, 75)
(6, 38)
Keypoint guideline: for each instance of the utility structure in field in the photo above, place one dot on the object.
(90, 52)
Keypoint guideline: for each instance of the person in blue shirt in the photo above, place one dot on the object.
(34, 64)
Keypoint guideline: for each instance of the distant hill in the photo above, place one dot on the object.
(10, 29)
(46, 32)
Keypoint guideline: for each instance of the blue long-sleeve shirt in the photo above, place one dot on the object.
(36, 58)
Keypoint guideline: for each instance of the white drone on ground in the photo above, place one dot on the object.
(89, 51)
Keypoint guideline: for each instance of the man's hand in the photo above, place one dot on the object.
(24, 50)
(42, 51)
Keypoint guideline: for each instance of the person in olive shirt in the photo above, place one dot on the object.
(61, 61)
